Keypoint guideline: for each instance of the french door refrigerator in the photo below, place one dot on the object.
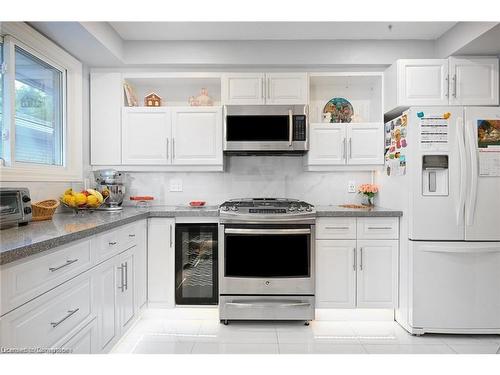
(443, 169)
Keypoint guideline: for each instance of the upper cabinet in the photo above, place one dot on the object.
(453, 81)
(174, 136)
(358, 143)
(474, 81)
(265, 88)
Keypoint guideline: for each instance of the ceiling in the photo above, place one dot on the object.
(280, 30)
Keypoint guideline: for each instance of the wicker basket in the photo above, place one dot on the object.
(44, 210)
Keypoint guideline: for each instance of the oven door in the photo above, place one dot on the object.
(267, 259)
(10, 207)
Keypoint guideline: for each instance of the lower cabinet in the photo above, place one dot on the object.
(85, 341)
(356, 272)
(125, 288)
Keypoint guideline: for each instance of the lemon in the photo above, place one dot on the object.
(92, 201)
(80, 199)
(69, 200)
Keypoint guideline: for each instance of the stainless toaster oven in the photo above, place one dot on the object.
(15, 207)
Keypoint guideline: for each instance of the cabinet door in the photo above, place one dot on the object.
(125, 287)
(336, 273)
(286, 88)
(423, 82)
(161, 261)
(474, 81)
(243, 88)
(377, 273)
(365, 144)
(145, 136)
(106, 102)
(327, 144)
(140, 264)
(106, 293)
(197, 136)
(85, 341)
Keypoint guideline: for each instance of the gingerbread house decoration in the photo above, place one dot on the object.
(152, 100)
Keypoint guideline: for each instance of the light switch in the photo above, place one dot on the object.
(175, 184)
(351, 187)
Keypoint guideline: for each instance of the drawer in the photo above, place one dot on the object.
(266, 307)
(51, 318)
(84, 341)
(29, 278)
(112, 242)
(378, 228)
(333, 228)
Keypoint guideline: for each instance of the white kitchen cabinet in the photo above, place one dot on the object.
(286, 88)
(440, 82)
(140, 263)
(85, 341)
(145, 136)
(197, 136)
(161, 262)
(365, 144)
(473, 81)
(243, 88)
(106, 101)
(106, 293)
(326, 144)
(125, 286)
(360, 269)
(346, 144)
(336, 273)
(377, 273)
(265, 88)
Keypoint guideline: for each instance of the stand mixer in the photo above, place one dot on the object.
(111, 184)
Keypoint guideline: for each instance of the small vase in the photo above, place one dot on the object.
(369, 201)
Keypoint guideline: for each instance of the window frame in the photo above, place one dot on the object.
(29, 40)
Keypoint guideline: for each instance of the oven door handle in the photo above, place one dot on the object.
(267, 231)
(263, 305)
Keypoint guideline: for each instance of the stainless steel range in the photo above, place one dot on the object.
(266, 260)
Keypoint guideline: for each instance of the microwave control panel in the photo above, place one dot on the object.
(299, 127)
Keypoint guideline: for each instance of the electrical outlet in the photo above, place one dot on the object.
(175, 184)
(351, 187)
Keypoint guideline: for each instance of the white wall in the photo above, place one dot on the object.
(251, 176)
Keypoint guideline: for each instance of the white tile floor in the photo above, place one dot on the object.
(153, 334)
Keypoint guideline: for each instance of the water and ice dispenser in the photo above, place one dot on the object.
(435, 171)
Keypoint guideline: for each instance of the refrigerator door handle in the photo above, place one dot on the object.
(463, 170)
(471, 203)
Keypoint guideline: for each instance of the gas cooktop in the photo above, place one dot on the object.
(266, 208)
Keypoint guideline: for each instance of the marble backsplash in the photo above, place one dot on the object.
(251, 176)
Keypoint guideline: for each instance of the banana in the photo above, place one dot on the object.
(96, 194)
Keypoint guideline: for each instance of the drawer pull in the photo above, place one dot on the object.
(379, 227)
(68, 262)
(70, 313)
(336, 227)
(264, 305)
(122, 278)
(131, 235)
(113, 243)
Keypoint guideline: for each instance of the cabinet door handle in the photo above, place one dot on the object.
(126, 275)
(263, 88)
(454, 85)
(70, 312)
(168, 141)
(343, 148)
(173, 148)
(122, 285)
(354, 259)
(68, 262)
(336, 227)
(171, 236)
(379, 227)
(361, 259)
(112, 243)
(350, 148)
(269, 88)
(131, 235)
(447, 79)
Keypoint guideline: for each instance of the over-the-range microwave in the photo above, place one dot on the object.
(266, 129)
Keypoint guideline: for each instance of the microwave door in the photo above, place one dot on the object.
(257, 132)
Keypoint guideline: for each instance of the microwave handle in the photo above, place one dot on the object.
(290, 130)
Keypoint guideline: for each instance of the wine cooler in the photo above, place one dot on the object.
(196, 269)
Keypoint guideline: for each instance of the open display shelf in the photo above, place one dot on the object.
(174, 90)
(362, 90)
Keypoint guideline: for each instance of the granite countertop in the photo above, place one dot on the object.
(20, 242)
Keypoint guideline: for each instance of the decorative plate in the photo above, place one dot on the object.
(340, 108)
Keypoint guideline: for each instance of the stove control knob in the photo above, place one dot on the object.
(224, 208)
(309, 209)
(301, 208)
(292, 208)
(234, 208)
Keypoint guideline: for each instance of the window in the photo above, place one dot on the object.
(41, 108)
(39, 111)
